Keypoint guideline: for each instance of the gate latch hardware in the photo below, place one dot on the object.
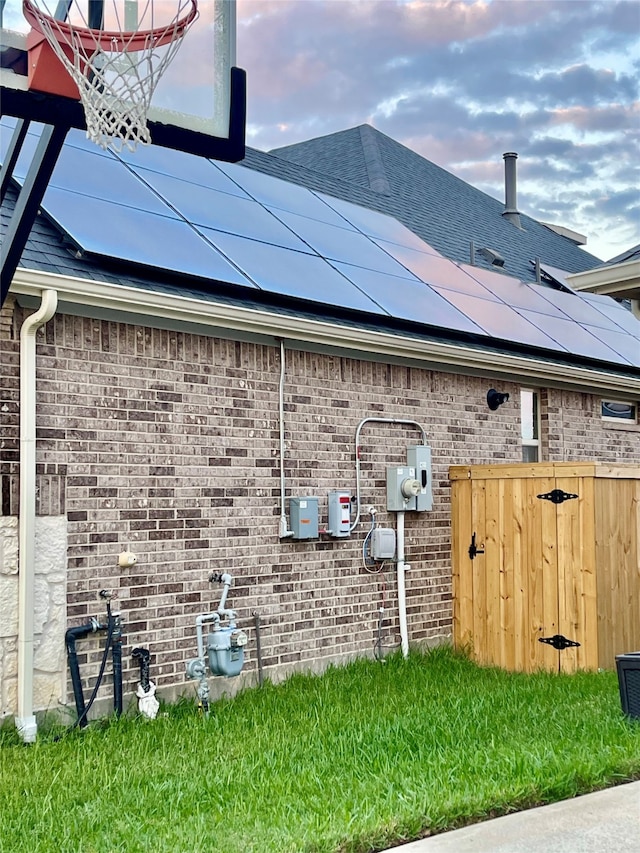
(558, 642)
(557, 496)
(473, 548)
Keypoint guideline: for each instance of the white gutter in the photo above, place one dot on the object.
(25, 720)
(148, 307)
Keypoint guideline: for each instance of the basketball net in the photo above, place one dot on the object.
(116, 70)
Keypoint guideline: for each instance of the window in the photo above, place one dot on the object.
(530, 425)
(619, 410)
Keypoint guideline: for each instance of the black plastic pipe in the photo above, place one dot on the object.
(116, 658)
(70, 637)
(256, 618)
(143, 656)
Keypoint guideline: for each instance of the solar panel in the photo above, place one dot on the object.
(290, 273)
(500, 320)
(275, 193)
(573, 337)
(341, 244)
(409, 299)
(625, 345)
(187, 167)
(434, 269)
(512, 291)
(621, 316)
(104, 228)
(202, 205)
(380, 225)
(573, 305)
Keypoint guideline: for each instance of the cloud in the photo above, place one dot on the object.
(460, 83)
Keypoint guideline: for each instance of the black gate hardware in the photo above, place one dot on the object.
(558, 642)
(557, 496)
(473, 548)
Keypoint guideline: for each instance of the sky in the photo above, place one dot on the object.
(461, 83)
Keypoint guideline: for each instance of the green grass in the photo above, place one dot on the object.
(359, 759)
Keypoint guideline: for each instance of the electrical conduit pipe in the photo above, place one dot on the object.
(25, 720)
(362, 423)
(402, 567)
(285, 533)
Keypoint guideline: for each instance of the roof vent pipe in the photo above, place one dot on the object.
(510, 211)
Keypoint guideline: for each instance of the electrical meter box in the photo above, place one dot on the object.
(383, 543)
(339, 513)
(402, 488)
(303, 517)
(419, 458)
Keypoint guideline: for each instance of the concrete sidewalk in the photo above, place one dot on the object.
(604, 822)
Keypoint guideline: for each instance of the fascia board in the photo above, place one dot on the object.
(147, 307)
(617, 278)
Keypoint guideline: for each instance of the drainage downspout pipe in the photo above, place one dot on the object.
(25, 720)
(402, 567)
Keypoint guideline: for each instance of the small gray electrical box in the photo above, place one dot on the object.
(419, 458)
(383, 543)
(303, 514)
(339, 513)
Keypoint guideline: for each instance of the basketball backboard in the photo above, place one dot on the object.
(198, 104)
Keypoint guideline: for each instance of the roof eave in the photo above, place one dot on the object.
(134, 305)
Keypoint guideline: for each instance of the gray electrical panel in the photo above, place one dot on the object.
(303, 517)
(419, 458)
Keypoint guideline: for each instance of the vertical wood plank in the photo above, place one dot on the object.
(511, 555)
(462, 565)
(547, 655)
(494, 567)
(618, 567)
(478, 525)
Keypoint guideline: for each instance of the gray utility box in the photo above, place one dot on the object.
(339, 513)
(419, 458)
(402, 488)
(303, 514)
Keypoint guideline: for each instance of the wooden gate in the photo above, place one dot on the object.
(546, 582)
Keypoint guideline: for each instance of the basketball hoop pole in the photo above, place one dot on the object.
(29, 200)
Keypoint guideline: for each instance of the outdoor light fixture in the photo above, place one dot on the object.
(496, 398)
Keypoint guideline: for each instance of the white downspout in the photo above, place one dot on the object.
(25, 720)
(402, 596)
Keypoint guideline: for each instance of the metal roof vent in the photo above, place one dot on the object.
(510, 211)
(494, 258)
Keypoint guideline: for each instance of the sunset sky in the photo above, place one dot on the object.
(461, 83)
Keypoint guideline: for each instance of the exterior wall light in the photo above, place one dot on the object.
(496, 398)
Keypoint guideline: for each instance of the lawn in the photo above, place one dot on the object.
(359, 759)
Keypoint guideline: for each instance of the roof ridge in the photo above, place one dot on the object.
(373, 161)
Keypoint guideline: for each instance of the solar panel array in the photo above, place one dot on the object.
(227, 223)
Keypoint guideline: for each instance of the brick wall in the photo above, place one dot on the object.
(167, 444)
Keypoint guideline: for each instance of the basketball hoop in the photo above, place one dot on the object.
(115, 69)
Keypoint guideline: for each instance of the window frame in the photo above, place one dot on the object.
(612, 419)
(534, 418)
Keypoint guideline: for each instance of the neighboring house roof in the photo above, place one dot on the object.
(389, 294)
(632, 254)
(619, 277)
(445, 211)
